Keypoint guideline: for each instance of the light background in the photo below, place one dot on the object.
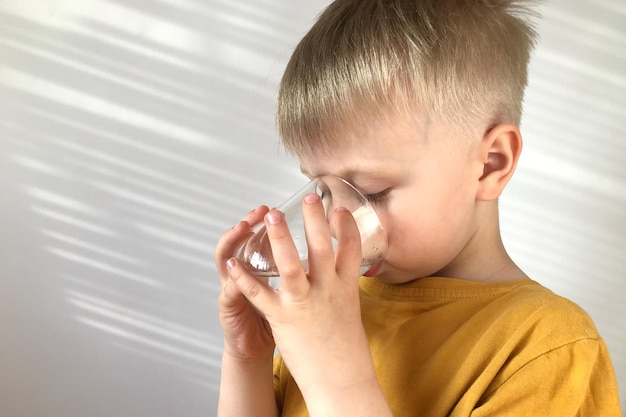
(133, 133)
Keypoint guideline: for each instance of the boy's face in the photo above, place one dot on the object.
(422, 184)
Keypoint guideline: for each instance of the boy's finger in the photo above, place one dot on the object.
(228, 244)
(348, 256)
(318, 237)
(258, 294)
(234, 237)
(255, 216)
(292, 275)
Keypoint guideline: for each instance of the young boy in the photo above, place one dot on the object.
(417, 103)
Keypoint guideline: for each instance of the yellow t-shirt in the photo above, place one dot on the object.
(450, 347)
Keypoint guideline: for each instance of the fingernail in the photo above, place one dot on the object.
(311, 198)
(230, 263)
(273, 217)
(341, 208)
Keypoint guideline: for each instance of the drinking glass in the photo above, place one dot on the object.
(256, 252)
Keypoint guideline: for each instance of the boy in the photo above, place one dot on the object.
(417, 103)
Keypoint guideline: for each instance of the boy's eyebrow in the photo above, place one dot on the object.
(351, 174)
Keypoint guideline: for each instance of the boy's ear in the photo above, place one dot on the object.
(500, 150)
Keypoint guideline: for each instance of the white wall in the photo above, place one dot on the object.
(133, 133)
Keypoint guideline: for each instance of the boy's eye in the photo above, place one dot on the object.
(377, 197)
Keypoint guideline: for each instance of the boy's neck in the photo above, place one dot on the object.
(485, 258)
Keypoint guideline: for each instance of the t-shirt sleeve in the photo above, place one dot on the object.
(576, 379)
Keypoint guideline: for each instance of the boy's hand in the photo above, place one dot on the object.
(247, 335)
(315, 317)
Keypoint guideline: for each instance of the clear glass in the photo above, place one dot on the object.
(256, 252)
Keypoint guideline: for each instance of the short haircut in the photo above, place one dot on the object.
(461, 61)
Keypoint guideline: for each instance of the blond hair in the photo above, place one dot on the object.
(457, 60)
